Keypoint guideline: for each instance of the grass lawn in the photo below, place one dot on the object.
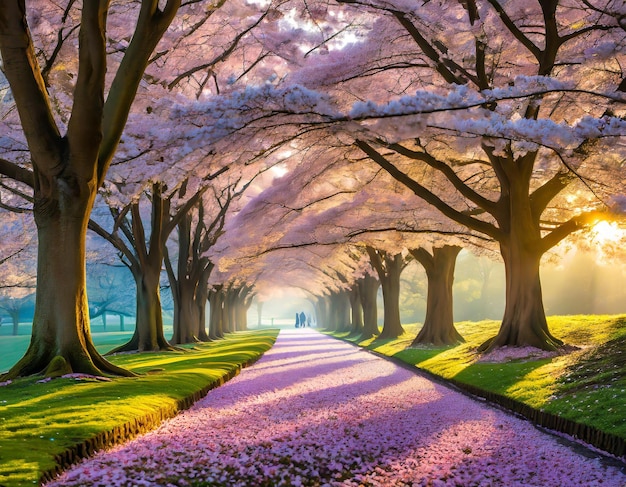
(39, 420)
(586, 385)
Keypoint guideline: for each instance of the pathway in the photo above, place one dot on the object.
(317, 411)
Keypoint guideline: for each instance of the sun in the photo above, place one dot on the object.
(606, 233)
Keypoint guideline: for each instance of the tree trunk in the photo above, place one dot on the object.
(438, 326)
(339, 312)
(148, 336)
(200, 302)
(228, 312)
(524, 322)
(356, 309)
(185, 312)
(321, 311)
(389, 267)
(241, 313)
(61, 339)
(369, 299)
(216, 314)
(392, 328)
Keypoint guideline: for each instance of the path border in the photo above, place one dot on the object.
(136, 426)
(611, 447)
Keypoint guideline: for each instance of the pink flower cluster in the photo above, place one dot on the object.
(318, 412)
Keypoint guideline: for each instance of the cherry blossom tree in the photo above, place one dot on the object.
(524, 153)
(530, 174)
(197, 233)
(68, 168)
(142, 250)
(74, 70)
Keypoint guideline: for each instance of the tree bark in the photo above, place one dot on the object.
(67, 171)
(369, 299)
(524, 322)
(389, 267)
(356, 310)
(148, 335)
(216, 313)
(186, 317)
(61, 339)
(321, 306)
(339, 319)
(200, 302)
(438, 326)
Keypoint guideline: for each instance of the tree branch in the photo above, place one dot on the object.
(428, 196)
(449, 173)
(572, 225)
(541, 197)
(151, 25)
(17, 173)
(28, 88)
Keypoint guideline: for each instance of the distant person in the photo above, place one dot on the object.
(302, 319)
(297, 320)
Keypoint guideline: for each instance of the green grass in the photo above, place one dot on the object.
(12, 348)
(587, 385)
(41, 420)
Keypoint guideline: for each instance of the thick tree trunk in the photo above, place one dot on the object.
(524, 322)
(389, 267)
(344, 311)
(339, 312)
(356, 310)
(148, 334)
(392, 327)
(61, 339)
(216, 314)
(241, 313)
(185, 313)
(321, 306)
(228, 312)
(200, 302)
(438, 326)
(369, 299)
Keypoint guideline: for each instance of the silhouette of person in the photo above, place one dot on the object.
(302, 319)
(297, 320)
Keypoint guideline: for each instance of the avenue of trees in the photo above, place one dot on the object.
(322, 146)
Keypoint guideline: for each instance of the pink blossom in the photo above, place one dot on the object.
(316, 411)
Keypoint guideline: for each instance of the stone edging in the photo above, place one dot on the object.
(602, 440)
(134, 427)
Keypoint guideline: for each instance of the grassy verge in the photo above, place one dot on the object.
(44, 424)
(586, 385)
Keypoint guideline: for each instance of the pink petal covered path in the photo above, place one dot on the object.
(319, 412)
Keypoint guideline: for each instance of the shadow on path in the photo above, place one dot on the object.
(316, 411)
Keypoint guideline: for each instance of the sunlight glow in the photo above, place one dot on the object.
(607, 233)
